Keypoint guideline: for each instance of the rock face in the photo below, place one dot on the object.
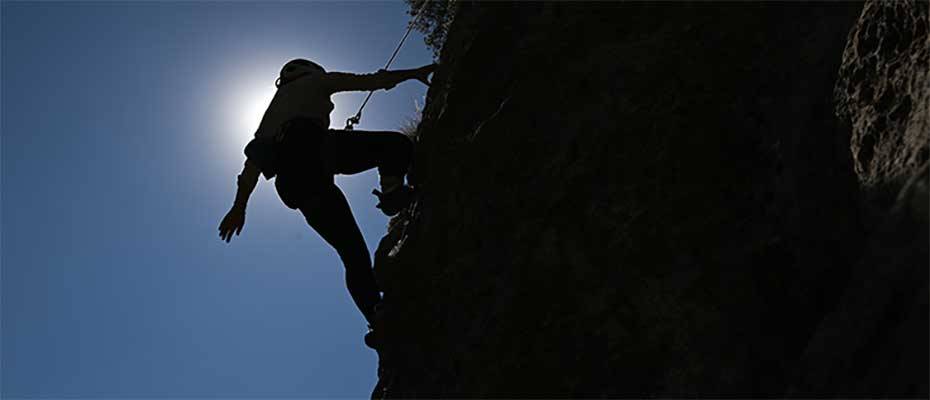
(875, 341)
(656, 199)
(883, 91)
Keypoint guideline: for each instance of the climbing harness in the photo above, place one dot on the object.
(352, 121)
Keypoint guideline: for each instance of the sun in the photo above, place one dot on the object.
(250, 108)
(240, 111)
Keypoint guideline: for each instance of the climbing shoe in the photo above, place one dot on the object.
(394, 201)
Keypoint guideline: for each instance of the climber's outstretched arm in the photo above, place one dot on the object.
(343, 82)
(235, 218)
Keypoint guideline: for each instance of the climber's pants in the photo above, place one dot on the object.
(309, 160)
(351, 152)
(328, 213)
(309, 157)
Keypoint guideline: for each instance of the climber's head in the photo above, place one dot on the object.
(297, 68)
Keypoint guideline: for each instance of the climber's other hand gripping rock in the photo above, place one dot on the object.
(422, 73)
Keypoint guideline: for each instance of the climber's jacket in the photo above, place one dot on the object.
(309, 96)
(305, 101)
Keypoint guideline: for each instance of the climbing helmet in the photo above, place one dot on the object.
(297, 68)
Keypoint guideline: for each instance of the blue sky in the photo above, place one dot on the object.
(122, 133)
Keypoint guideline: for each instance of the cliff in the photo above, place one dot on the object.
(874, 343)
(657, 199)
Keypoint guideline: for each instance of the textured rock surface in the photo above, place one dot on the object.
(884, 92)
(875, 341)
(637, 199)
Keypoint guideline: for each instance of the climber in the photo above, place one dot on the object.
(294, 144)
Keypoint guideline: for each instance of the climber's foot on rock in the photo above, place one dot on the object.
(394, 201)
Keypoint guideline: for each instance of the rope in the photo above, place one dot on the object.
(350, 123)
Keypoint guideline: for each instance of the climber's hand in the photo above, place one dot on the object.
(422, 73)
(232, 223)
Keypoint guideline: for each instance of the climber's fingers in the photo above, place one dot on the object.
(232, 224)
(223, 228)
(428, 69)
(226, 231)
(223, 233)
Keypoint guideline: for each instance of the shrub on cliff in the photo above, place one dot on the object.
(435, 22)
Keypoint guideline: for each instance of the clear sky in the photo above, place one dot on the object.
(122, 133)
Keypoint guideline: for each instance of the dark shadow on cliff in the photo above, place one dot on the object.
(659, 199)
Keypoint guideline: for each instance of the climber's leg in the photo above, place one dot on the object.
(329, 214)
(351, 152)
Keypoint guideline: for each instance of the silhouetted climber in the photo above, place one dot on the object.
(294, 144)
